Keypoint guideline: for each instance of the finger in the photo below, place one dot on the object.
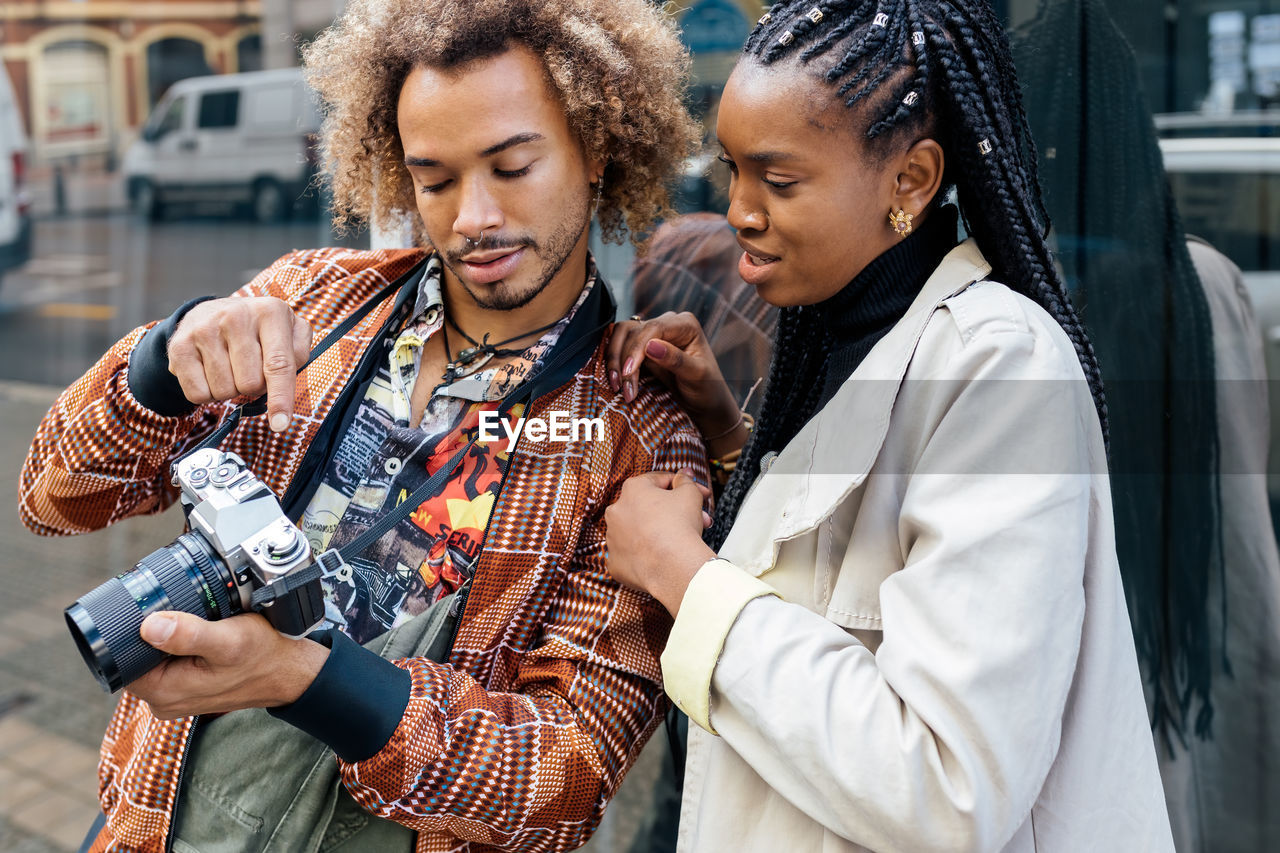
(277, 336)
(174, 632)
(187, 635)
(622, 330)
(684, 477)
(211, 352)
(301, 340)
(245, 357)
(659, 352)
(706, 519)
(661, 479)
(185, 365)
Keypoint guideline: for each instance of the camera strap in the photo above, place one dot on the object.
(527, 392)
(259, 406)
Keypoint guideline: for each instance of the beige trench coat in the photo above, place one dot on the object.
(916, 638)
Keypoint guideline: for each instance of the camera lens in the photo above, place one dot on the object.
(187, 575)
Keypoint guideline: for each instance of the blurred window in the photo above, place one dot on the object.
(219, 109)
(171, 120)
(1238, 212)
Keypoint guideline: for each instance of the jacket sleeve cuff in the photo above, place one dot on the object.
(710, 606)
(356, 702)
(150, 381)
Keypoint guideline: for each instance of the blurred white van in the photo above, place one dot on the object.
(244, 140)
(15, 203)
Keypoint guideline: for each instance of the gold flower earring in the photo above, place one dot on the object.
(901, 222)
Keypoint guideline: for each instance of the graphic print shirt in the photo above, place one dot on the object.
(381, 460)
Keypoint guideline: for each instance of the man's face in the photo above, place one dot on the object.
(493, 160)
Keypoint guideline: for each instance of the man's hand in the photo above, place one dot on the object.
(654, 532)
(235, 663)
(238, 346)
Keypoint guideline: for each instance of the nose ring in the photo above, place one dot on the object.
(473, 242)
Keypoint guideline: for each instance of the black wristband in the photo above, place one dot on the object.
(356, 702)
(149, 378)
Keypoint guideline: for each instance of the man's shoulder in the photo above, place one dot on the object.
(653, 416)
(303, 274)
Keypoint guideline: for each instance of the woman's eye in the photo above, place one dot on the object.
(513, 173)
(780, 185)
(434, 188)
(733, 167)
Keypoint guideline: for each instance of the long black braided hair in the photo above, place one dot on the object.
(940, 65)
(1147, 313)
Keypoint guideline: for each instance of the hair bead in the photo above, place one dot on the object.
(764, 19)
(787, 38)
(984, 147)
(917, 38)
(881, 20)
(911, 98)
(814, 14)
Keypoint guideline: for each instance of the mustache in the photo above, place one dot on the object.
(490, 243)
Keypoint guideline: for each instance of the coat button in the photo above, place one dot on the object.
(393, 466)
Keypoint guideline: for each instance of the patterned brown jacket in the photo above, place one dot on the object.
(553, 685)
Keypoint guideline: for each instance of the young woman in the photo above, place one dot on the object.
(906, 625)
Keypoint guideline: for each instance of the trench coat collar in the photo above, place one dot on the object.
(833, 453)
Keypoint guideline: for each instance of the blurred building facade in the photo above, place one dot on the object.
(86, 72)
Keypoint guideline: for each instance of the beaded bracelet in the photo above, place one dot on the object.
(743, 418)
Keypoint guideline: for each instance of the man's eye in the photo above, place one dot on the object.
(513, 173)
(733, 167)
(434, 188)
(780, 185)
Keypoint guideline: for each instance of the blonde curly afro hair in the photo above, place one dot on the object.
(617, 65)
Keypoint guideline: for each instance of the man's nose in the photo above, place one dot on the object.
(478, 210)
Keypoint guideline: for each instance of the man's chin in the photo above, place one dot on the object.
(502, 295)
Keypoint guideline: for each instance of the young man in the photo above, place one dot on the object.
(505, 125)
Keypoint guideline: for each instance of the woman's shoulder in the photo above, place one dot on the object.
(989, 329)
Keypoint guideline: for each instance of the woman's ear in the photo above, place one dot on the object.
(919, 176)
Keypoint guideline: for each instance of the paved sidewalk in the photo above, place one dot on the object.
(52, 712)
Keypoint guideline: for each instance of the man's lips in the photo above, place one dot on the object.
(488, 267)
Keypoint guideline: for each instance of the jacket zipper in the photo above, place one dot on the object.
(182, 772)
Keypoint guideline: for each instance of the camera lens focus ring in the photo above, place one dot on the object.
(186, 575)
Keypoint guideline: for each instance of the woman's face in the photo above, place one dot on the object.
(810, 206)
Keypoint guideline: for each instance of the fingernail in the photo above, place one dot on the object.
(629, 392)
(656, 348)
(158, 629)
(688, 472)
(706, 518)
(613, 379)
(279, 422)
(629, 366)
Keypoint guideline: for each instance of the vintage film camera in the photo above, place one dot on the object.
(241, 553)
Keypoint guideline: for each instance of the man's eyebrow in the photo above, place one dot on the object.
(510, 142)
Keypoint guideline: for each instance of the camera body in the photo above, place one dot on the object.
(241, 518)
(240, 554)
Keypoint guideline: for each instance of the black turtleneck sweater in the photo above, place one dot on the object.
(866, 308)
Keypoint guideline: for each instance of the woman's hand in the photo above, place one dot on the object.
(674, 348)
(654, 533)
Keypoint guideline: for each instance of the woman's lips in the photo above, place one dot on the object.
(755, 269)
(489, 271)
